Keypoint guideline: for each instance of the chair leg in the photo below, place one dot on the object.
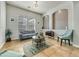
(58, 39)
(69, 42)
(61, 42)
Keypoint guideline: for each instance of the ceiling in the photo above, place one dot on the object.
(43, 6)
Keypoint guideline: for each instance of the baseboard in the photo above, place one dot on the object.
(76, 45)
(1, 45)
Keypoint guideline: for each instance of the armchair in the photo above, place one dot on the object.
(67, 36)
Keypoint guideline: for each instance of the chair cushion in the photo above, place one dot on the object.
(27, 32)
(66, 35)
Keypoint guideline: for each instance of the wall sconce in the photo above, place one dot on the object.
(59, 11)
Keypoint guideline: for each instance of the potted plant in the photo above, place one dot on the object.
(8, 35)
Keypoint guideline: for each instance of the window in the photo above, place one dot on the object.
(26, 24)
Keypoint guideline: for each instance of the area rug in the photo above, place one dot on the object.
(31, 51)
(9, 53)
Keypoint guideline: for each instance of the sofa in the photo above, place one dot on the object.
(26, 34)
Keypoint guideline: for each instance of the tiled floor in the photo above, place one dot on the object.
(55, 50)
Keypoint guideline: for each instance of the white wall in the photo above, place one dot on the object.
(14, 12)
(66, 5)
(76, 23)
(2, 22)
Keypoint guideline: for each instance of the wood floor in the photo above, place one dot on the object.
(55, 50)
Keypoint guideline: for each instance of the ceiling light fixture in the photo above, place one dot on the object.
(35, 4)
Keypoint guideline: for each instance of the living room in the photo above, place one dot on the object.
(24, 21)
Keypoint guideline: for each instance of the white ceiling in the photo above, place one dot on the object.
(43, 6)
